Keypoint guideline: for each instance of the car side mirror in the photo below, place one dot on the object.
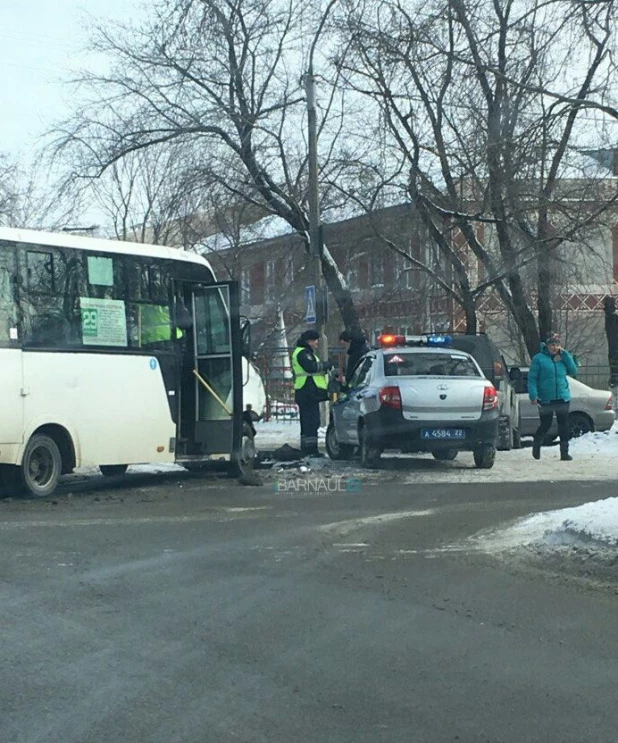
(514, 374)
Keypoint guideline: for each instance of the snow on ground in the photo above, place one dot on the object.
(595, 457)
(591, 524)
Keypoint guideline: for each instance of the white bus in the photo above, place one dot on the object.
(114, 353)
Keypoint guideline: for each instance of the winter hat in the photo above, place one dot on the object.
(309, 335)
(553, 338)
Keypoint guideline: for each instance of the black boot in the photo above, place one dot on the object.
(536, 448)
(564, 452)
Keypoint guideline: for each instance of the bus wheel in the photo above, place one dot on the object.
(113, 470)
(41, 466)
(244, 460)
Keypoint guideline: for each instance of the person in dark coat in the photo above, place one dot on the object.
(310, 388)
(548, 387)
(356, 344)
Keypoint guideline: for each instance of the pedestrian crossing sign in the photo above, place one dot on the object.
(310, 315)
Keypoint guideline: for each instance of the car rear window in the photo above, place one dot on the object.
(428, 365)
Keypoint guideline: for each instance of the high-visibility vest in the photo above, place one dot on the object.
(300, 375)
(156, 324)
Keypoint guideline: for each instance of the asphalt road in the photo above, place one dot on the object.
(190, 610)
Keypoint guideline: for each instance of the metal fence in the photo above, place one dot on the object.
(275, 368)
(596, 376)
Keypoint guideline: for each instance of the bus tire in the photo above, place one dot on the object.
(113, 470)
(41, 466)
(244, 460)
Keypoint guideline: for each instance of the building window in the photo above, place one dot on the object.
(615, 250)
(404, 272)
(257, 283)
(377, 269)
(271, 281)
(352, 276)
(245, 287)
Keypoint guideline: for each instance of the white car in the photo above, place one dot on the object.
(415, 395)
(590, 409)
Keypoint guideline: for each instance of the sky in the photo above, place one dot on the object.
(42, 44)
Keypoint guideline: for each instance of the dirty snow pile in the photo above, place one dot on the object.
(592, 524)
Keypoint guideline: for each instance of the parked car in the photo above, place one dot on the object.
(494, 367)
(415, 398)
(590, 409)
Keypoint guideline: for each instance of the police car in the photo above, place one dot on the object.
(415, 394)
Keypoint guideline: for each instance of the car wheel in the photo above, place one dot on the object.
(41, 466)
(579, 424)
(505, 435)
(113, 470)
(334, 449)
(485, 456)
(445, 455)
(369, 451)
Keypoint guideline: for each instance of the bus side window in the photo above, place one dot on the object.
(8, 308)
(50, 300)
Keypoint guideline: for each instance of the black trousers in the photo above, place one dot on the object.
(309, 412)
(560, 409)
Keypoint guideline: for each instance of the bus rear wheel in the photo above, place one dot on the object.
(41, 466)
(113, 470)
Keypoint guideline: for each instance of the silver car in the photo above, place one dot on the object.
(415, 398)
(590, 409)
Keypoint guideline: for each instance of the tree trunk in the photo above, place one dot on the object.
(336, 286)
(544, 294)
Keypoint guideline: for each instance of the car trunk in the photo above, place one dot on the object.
(438, 398)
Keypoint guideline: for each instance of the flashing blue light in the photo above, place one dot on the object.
(439, 340)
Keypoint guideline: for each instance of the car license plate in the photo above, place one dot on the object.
(443, 433)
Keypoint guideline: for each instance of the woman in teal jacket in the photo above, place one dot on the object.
(548, 386)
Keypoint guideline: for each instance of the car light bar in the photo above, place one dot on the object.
(437, 341)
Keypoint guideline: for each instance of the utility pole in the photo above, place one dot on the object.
(315, 228)
(315, 236)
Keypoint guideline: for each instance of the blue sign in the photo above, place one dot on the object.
(310, 304)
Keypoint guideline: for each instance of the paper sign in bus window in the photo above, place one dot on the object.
(104, 322)
(100, 271)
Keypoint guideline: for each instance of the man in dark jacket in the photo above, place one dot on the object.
(310, 388)
(356, 344)
(548, 386)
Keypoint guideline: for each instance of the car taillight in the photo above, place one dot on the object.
(610, 403)
(490, 398)
(390, 397)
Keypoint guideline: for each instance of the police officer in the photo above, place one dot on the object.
(355, 343)
(310, 388)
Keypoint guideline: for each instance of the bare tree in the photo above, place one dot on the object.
(485, 105)
(219, 78)
(29, 198)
